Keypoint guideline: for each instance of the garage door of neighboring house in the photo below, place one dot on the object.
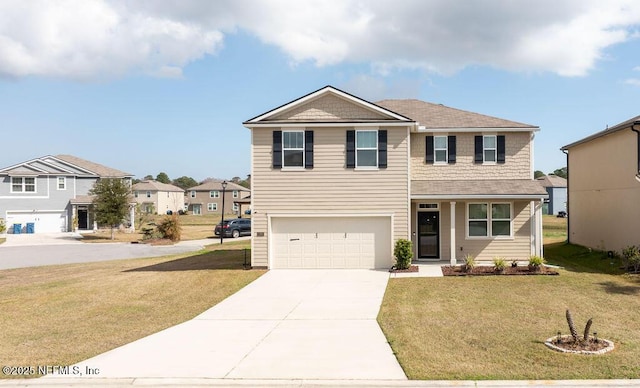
(44, 221)
(331, 242)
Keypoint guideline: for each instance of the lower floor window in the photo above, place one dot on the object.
(489, 219)
(212, 207)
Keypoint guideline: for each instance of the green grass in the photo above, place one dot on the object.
(554, 229)
(60, 315)
(494, 327)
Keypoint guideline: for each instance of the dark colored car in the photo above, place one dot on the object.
(562, 214)
(234, 228)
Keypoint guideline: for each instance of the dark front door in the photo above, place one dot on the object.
(83, 219)
(428, 235)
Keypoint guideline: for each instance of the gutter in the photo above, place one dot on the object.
(638, 136)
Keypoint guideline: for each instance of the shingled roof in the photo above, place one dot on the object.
(98, 169)
(151, 185)
(552, 180)
(217, 185)
(431, 115)
(517, 188)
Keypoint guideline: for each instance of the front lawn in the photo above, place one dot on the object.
(494, 327)
(60, 315)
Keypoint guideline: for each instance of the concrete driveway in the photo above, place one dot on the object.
(288, 324)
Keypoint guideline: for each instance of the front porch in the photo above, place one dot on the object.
(484, 219)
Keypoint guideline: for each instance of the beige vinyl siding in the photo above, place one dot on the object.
(328, 188)
(329, 108)
(517, 159)
(485, 249)
(603, 192)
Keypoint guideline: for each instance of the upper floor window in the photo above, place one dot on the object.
(366, 148)
(193, 194)
(214, 194)
(292, 149)
(235, 194)
(135, 194)
(23, 185)
(440, 149)
(148, 194)
(490, 149)
(62, 183)
(489, 220)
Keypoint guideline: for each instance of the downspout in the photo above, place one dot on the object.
(638, 136)
(566, 152)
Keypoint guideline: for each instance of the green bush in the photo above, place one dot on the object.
(499, 264)
(536, 262)
(469, 262)
(631, 255)
(404, 253)
(170, 227)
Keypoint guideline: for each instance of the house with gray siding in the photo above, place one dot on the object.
(556, 187)
(336, 180)
(46, 194)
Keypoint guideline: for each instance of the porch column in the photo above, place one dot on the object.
(539, 244)
(132, 218)
(452, 234)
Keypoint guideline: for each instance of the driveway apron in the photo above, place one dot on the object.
(288, 324)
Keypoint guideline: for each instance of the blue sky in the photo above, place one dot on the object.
(153, 86)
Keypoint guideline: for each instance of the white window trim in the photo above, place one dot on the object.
(148, 194)
(376, 167)
(214, 194)
(193, 194)
(495, 149)
(435, 204)
(446, 150)
(235, 207)
(24, 185)
(236, 194)
(135, 194)
(489, 219)
(284, 167)
(212, 207)
(64, 183)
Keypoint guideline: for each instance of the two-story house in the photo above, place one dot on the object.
(157, 197)
(49, 192)
(604, 187)
(206, 198)
(336, 180)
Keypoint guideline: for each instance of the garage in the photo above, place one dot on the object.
(331, 242)
(44, 221)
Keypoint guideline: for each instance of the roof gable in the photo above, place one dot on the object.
(63, 165)
(152, 185)
(327, 105)
(217, 185)
(438, 116)
(631, 123)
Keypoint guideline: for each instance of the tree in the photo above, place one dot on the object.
(111, 202)
(561, 172)
(185, 182)
(135, 180)
(163, 178)
(537, 174)
(148, 177)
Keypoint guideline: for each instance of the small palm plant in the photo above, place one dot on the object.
(499, 264)
(469, 263)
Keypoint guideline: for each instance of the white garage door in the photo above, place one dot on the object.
(44, 222)
(331, 242)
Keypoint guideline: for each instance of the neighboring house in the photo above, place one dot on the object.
(336, 180)
(49, 192)
(207, 198)
(556, 187)
(604, 188)
(157, 197)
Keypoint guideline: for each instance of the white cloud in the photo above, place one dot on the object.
(632, 81)
(94, 38)
(637, 68)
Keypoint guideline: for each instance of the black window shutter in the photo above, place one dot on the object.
(478, 149)
(501, 149)
(382, 148)
(277, 149)
(351, 149)
(308, 149)
(428, 152)
(452, 149)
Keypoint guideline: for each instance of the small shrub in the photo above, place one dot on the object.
(404, 253)
(535, 263)
(631, 255)
(514, 263)
(499, 264)
(469, 262)
(3, 226)
(170, 227)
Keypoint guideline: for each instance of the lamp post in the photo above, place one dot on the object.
(224, 186)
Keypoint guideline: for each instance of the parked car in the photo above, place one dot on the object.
(234, 228)
(562, 214)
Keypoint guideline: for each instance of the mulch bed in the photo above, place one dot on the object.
(413, 268)
(459, 270)
(567, 343)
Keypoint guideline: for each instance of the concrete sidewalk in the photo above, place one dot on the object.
(288, 324)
